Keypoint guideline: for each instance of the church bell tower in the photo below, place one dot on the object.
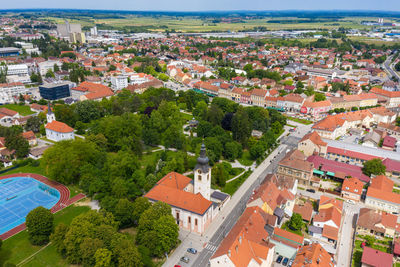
(202, 175)
(50, 115)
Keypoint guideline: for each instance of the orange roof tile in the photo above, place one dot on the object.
(58, 126)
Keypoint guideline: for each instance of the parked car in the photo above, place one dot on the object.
(185, 259)
(290, 263)
(279, 259)
(311, 190)
(176, 265)
(285, 261)
(192, 250)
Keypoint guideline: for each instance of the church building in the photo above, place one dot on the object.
(189, 199)
(56, 130)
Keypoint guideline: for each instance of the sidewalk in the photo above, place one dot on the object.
(203, 240)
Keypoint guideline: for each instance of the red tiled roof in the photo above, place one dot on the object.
(313, 255)
(330, 232)
(58, 126)
(352, 185)
(340, 169)
(351, 154)
(175, 180)
(376, 258)
(287, 238)
(247, 239)
(170, 190)
(8, 112)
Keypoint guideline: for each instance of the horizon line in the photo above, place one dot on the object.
(205, 11)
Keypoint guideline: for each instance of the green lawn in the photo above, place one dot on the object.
(302, 121)
(230, 188)
(287, 228)
(22, 110)
(27, 169)
(246, 159)
(17, 248)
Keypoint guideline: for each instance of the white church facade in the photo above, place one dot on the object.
(56, 130)
(190, 200)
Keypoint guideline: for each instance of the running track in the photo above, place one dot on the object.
(63, 202)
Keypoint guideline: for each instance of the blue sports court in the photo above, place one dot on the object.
(20, 195)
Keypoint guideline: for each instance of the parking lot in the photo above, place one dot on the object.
(280, 264)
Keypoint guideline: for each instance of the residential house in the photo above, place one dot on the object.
(392, 98)
(352, 189)
(389, 143)
(296, 166)
(390, 128)
(313, 255)
(380, 195)
(91, 91)
(286, 243)
(377, 223)
(30, 137)
(257, 97)
(312, 143)
(247, 244)
(305, 210)
(375, 258)
(316, 109)
(269, 196)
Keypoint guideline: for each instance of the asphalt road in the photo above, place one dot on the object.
(388, 67)
(205, 255)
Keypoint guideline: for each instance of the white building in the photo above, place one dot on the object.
(57, 131)
(189, 199)
(18, 69)
(13, 89)
(119, 82)
(44, 67)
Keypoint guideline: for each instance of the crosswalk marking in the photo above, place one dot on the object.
(211, 247)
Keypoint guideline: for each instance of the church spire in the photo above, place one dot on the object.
(50, 115)
(202, 160)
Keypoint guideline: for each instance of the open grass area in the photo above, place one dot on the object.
(246, 159)
(17, 248)
(27, 169)
(302, 121)
(162, 23)
(22, 110)
(230, 188)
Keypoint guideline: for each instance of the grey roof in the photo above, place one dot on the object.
(269, 229)
(279, 212)
(315, 229)
(219, 195)
(377, 152)
(373, 136)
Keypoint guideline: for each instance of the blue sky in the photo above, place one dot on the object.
(204, 5)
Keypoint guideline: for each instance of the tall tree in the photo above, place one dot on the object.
(373, 166)
(40, 223)
(241, 129)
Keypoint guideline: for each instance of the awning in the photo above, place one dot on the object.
(330, 173)
(318, 172)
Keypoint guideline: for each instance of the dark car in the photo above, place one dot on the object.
(285, 261)
(279, 259)
(185, 259)
(192, 250)
(311, 190)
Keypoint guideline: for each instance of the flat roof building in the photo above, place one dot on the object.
(53, 91)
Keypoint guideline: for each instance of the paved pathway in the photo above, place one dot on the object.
(208, 243)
